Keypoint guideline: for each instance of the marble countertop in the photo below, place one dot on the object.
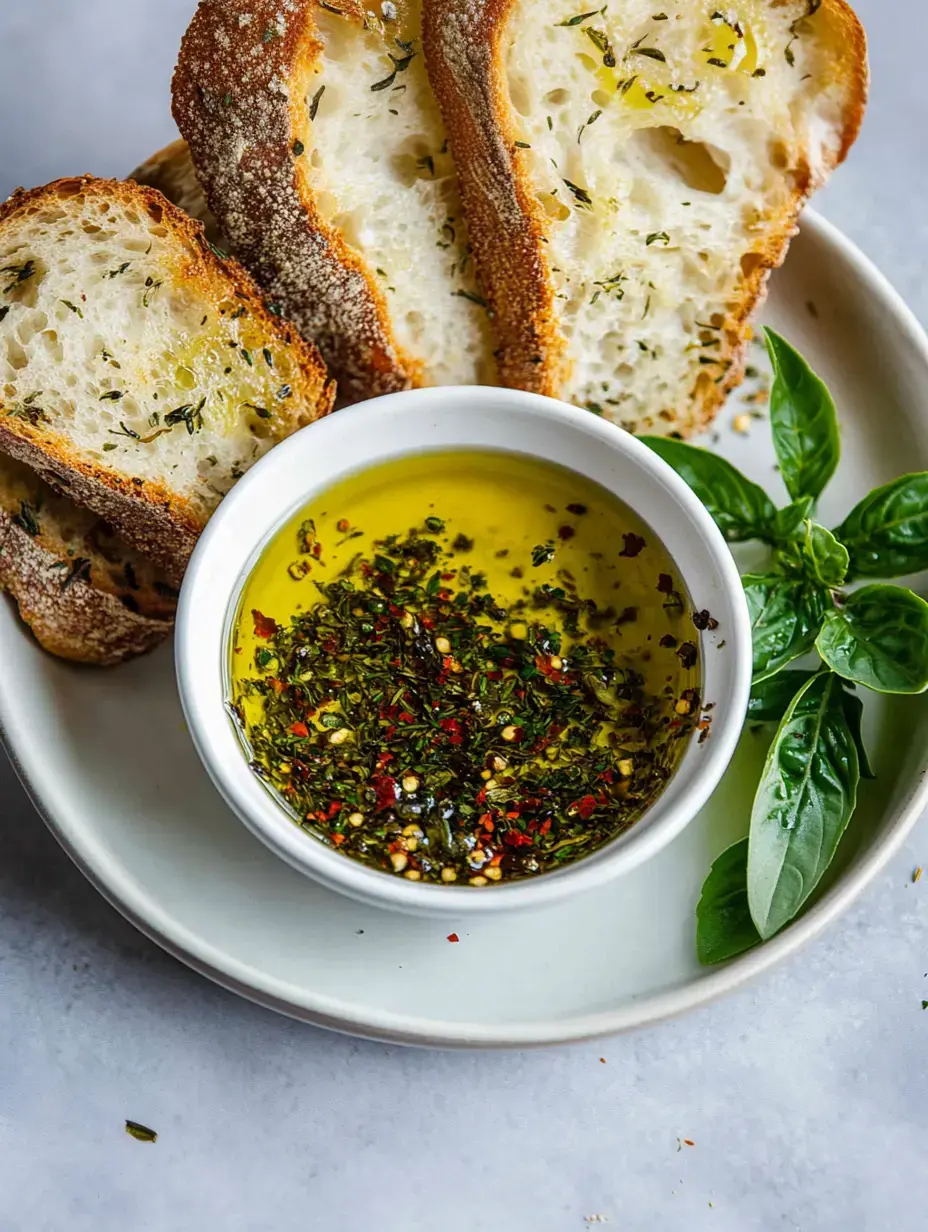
(806, 1096)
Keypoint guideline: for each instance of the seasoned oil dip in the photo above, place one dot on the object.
(465, 668)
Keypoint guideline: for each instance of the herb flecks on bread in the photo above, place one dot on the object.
(140, 371)
(317, 137)
(632, 174)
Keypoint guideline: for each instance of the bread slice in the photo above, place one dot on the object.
(632, 175)
(86, 595)
(172, 173)
(316, 135)
(140, 372)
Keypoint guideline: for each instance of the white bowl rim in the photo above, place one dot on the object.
(275, 489)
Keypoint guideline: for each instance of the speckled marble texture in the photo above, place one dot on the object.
(806, 1097)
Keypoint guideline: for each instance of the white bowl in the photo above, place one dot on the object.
(416, 422)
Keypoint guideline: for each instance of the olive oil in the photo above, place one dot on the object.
(465, 667)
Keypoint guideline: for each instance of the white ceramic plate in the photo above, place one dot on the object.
(109, 763)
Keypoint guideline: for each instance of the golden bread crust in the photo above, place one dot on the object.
(239, 94)
(172, 173)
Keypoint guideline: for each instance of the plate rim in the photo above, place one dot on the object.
(640, 1012)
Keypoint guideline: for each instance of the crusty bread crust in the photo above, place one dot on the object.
(83, 623)
(86, 596)
(172, 173)
(239, 99)
(152, 519)
(463, 42)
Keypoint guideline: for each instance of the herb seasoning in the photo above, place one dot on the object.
(451, 669)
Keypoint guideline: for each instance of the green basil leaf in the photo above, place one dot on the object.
(887, 534)
(824, 558)
(771, 698)
(804, 421)
(790, 521)
(786, 615)
(854, 713)
(724, 927)
(879, 639)
(804, 802)
(741, 509)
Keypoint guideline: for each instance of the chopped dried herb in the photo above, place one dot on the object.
(26, 519)
(141, 1133)
(314, 106)
(410, 721)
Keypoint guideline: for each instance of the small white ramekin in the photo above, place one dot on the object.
(416, 422)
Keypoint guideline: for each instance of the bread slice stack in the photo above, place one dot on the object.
(581, 203)
(140, 375)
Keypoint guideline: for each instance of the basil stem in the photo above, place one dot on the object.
(804, 802)
(804, 421)
(879, 639)
(786, 615)
(741, 509)
(724, 927)
(887, 533)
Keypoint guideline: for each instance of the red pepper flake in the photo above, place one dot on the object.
(264, 626)
(384, 788)
(665, 584)
(338, 839)
(454, 938)
(342, 525)
(515, 838)
(406, 717)
(317, 550)
(566, 532)
(545, 826)
(299, 729)
(586, 807)
(688, 1142)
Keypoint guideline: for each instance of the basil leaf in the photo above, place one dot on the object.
(879, 639)
(789, 521)
(854, 713)
(741, 509)
(771, 698)
(724, 926)
(804, 421)
(824, 558)
(887, 534)
(804, 802)
(786, 615)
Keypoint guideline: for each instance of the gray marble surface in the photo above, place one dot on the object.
(806, 1096)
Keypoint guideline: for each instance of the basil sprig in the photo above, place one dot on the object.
(804, 802)
(875, 637)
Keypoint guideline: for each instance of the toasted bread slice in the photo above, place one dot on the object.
(172, 173)
(140, 372)
(632, 175)
(85, 593)
(316, 135)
